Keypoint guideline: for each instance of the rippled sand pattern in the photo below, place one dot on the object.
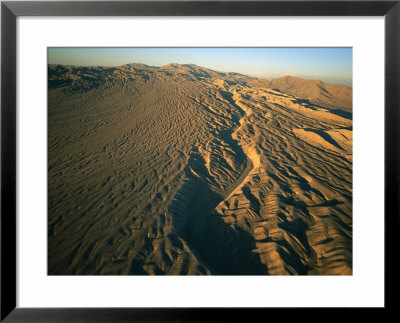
(181, 170)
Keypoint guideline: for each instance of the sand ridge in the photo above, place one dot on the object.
(276, 203)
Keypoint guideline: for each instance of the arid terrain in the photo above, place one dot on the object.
(181, 170)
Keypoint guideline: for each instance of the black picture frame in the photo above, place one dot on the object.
(10, 10)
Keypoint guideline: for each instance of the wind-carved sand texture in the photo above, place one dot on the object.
(181, 170)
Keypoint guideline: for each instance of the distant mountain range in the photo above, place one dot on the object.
(332, 96)
(317, 92)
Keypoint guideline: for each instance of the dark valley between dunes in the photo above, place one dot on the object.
(182, 170)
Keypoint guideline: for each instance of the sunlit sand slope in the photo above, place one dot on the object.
(292, 213)
(181, 170)
(317, 92)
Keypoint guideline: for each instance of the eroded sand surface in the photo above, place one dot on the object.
(181, 170)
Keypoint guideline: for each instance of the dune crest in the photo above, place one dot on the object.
(316, 92)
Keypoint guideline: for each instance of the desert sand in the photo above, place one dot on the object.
(181, 170)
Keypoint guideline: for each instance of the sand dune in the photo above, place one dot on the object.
(181, 170)
(334, 96)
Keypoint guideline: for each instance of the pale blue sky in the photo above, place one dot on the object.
(331, 65)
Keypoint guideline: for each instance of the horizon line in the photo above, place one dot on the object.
(188, 64)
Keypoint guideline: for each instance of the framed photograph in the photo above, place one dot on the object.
(197, 160)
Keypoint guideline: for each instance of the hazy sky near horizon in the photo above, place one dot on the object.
(328, 64)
